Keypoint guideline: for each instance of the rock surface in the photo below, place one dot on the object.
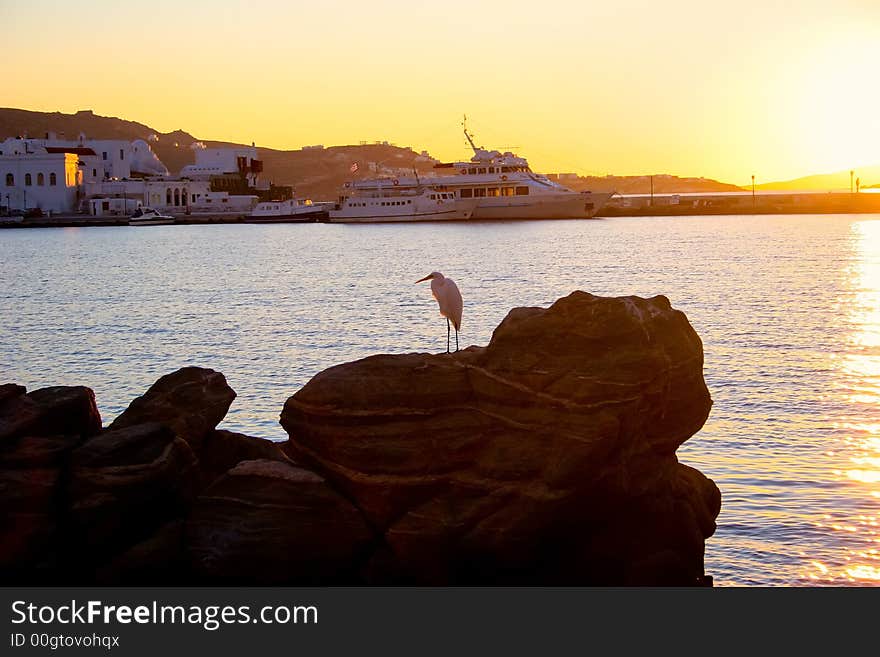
(191, 402)
(547, 457)
(223, 450)
(38, 431)
(59, 410)
(268, 522)
(126, 483)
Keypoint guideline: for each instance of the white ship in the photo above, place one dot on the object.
(390, 201)
(491, 185)
(291, 210)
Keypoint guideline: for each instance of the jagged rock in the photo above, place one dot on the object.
(191, 401)
(38, 430)
(546, 457)
(126, 483)
(30, 520)
(269, 522)
(223, 450)
(10, 391)
(159, 560)
(38, 451)
(59, 410)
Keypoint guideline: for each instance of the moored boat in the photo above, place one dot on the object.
(149, 217)
(288, 211)
(392, 203)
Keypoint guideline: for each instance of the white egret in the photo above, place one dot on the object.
(449, 299)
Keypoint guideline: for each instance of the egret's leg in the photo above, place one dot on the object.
(447, 335)
(456, 339)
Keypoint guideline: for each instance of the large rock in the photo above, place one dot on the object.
(30, 522)
(269, 522)
(191, 401)
(59, 410)
(10, 391)
(38, 431)
(124, 484)
(31, 504)
(158, 560)
(546, 457)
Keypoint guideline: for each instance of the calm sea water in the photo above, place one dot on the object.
(788, 308)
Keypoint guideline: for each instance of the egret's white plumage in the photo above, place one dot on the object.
(449, 299)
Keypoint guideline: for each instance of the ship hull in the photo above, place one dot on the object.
(551, 206)
(151, 222)
(343, 218)
(303, 217)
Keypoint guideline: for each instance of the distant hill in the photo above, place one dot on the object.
(663, 184)
(313, 172)
(20, 123)
(826, 182)
(318, 173)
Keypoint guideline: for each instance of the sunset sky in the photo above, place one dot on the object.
(723, 90)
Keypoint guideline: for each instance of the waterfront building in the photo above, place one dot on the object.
(233, 163)
(115, 177)
(108, 159)
(40, 180)
(174, 195)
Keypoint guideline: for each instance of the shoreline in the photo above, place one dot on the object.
(688, 206)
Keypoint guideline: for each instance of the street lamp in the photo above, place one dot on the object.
(753, 189)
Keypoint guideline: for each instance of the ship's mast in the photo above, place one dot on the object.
(467, 134)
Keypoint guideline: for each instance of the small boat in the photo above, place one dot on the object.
(291, 210)
(149, 217)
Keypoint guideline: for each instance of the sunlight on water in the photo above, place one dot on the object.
(788, 309)
(860, 433)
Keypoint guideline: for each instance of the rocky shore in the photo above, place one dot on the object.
(545, 458)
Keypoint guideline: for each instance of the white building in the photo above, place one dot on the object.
(110, 158)
(103, 206)
(225, 161)
(178, 196)
(48, 181)
(114, 177)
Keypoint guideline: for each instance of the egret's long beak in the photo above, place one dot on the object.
(426, 278)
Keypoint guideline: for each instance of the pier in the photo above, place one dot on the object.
(721, 203)
(88, 220)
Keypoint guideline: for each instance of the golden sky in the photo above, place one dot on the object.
(687, 87)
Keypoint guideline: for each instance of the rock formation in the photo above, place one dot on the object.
(546, 457)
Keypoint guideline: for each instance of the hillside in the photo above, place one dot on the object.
(663, 184)
(826, 182)
(17, 122)
(318, 173)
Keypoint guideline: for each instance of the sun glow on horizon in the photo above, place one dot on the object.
(635, 88)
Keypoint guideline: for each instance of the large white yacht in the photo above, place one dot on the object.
(491, 185)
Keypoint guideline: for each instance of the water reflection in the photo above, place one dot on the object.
(858, 561)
